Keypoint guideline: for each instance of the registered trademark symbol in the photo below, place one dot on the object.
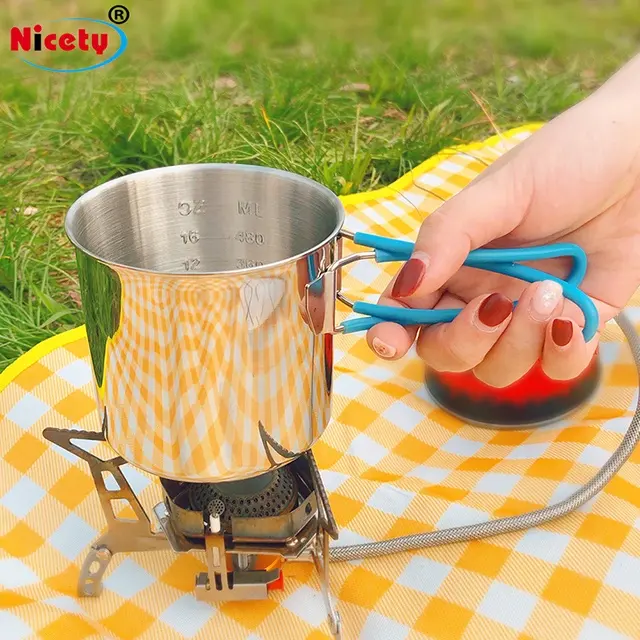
(118, 14)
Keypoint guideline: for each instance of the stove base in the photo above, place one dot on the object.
(231, 575)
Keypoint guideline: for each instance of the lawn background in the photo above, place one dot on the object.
(351, 93)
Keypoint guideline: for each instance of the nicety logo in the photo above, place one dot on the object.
(24, 40)
(94, 43)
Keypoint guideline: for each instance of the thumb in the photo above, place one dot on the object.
(489, 208)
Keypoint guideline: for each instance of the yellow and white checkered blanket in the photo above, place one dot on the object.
(393, 464)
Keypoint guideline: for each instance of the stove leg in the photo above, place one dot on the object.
(93, 568)
(321, 559)
(327, 521)
(123, 535)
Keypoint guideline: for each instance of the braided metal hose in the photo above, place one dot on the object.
(523, 521)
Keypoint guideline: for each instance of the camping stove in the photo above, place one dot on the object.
(247, 528)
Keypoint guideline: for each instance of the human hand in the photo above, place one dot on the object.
(575, 180)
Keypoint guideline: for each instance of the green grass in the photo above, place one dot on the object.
(164, 103)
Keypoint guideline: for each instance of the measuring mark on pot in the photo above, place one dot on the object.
(190, 237)
(249, 209)
(242, 263)
(249, 237)
(187, 207)
(191, 264)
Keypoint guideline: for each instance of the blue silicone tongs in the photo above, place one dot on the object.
(504, 261)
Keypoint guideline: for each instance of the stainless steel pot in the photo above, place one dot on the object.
(193, 280)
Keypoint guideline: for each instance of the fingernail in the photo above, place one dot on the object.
(561, 332)
(545, 299)
(494, 310)
(410, 276)
(383, 349)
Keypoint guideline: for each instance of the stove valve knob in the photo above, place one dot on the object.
(277, 584)
(215, 509)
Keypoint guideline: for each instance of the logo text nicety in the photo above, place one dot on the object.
(28, 39)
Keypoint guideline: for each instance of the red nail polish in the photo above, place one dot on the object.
(409, 278)
(494, 310)
(561, 332)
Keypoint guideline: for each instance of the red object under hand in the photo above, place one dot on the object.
(535, 398)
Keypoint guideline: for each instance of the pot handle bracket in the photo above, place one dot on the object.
(322, 292)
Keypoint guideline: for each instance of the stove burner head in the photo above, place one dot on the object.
(270, 494)
(275, 505)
